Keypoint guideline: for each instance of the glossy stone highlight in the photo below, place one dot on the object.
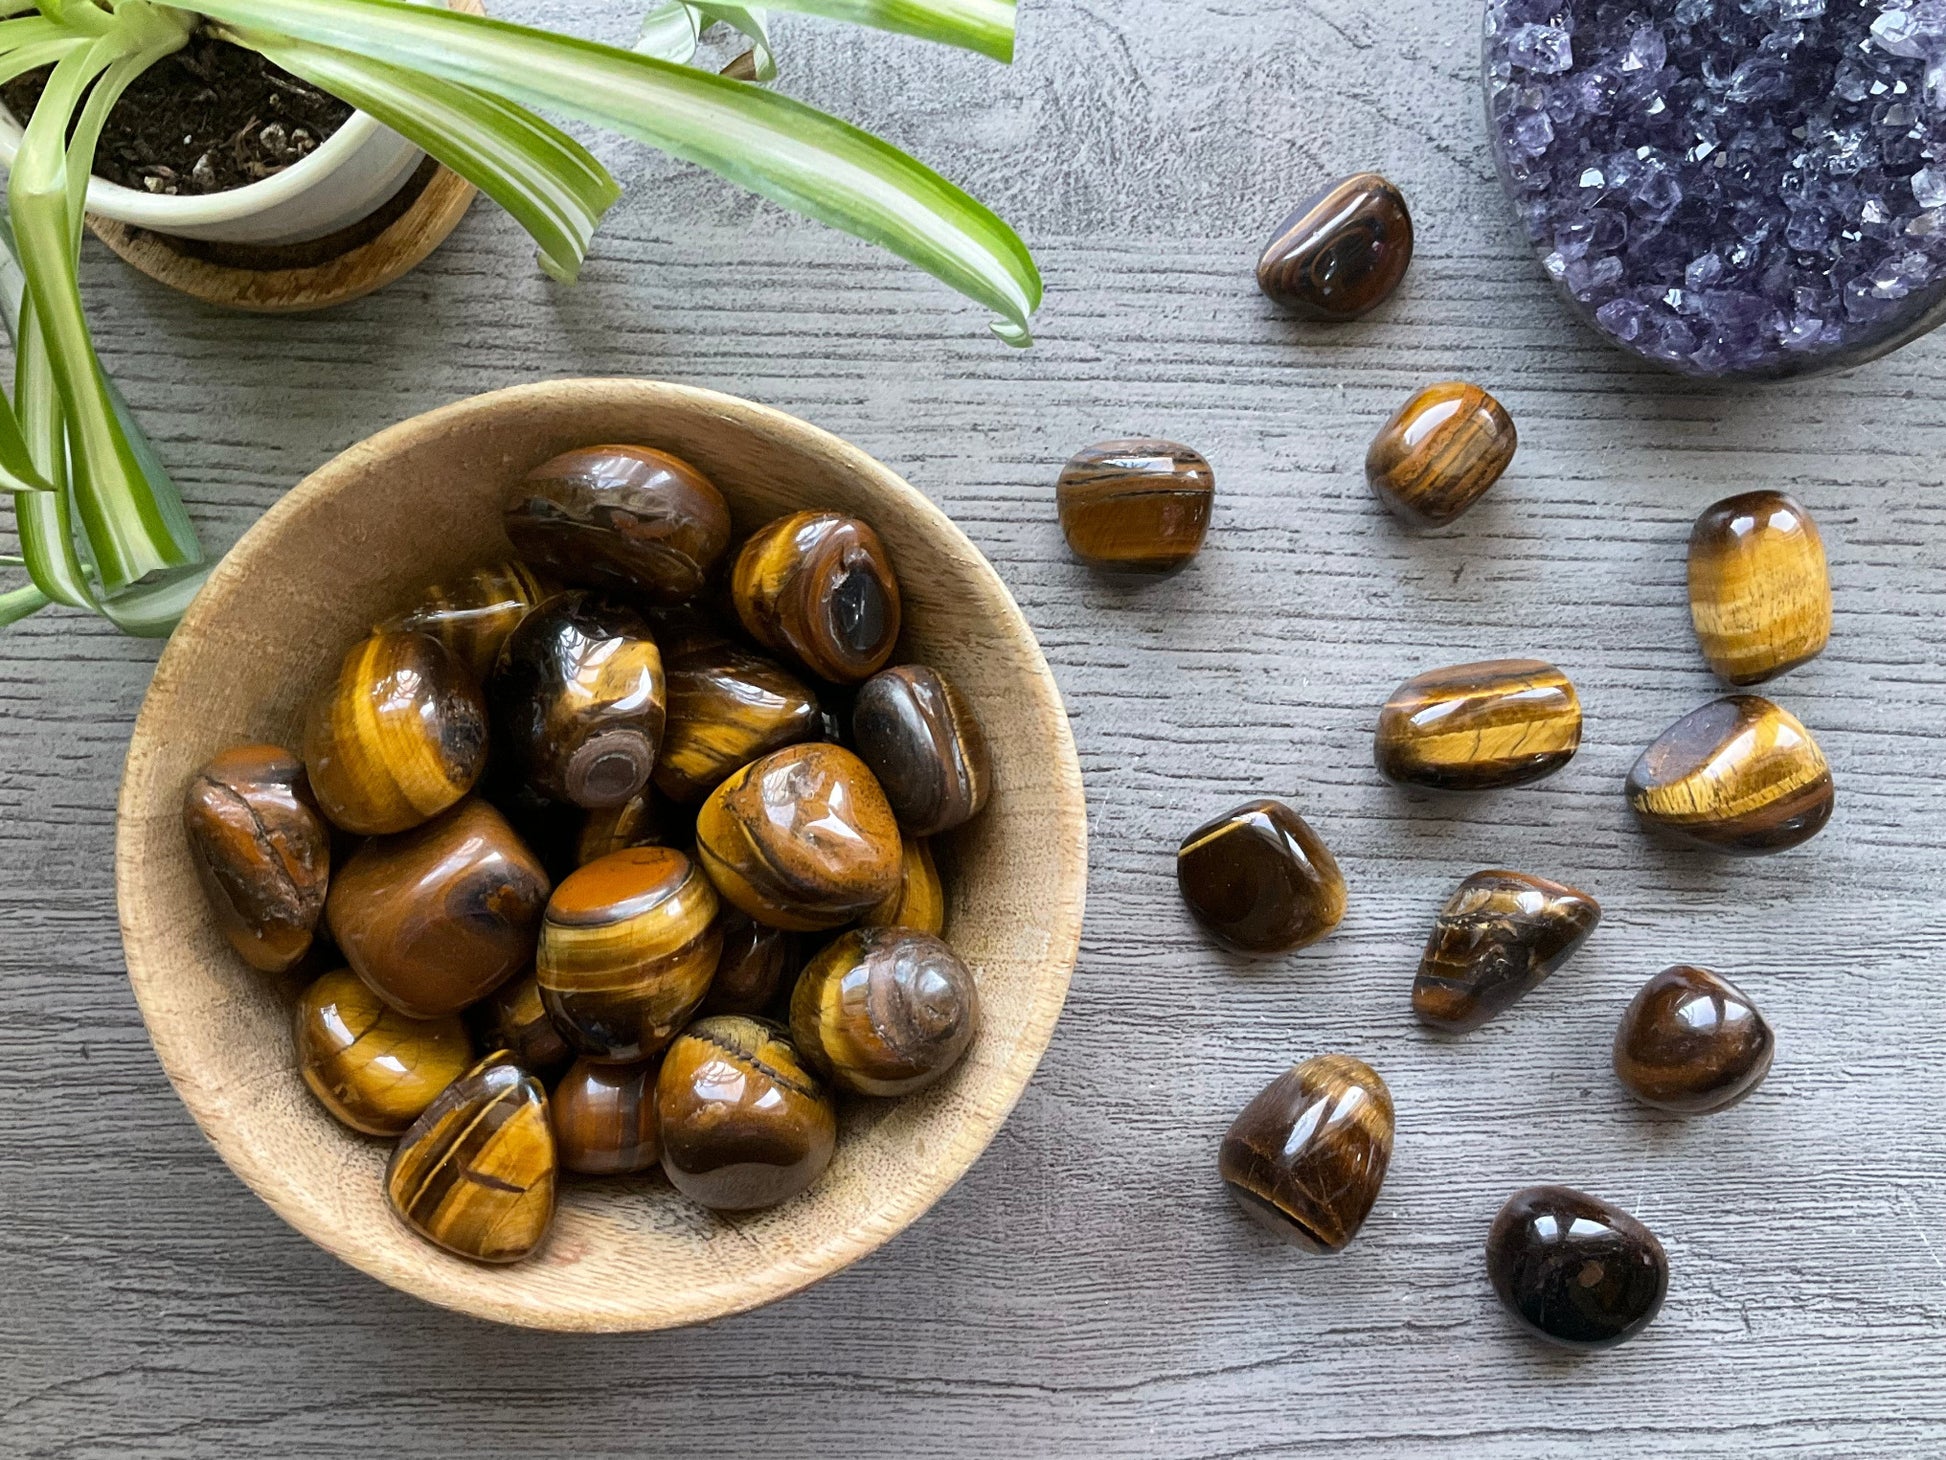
(884, 1011)
(441, 915)
(919, 735)
(473, 615)
(261, 851)
(628, 519)
(1473, 727)
(398, 736)
(1138, 506)
(579, 701)
(1341, 252)
(1493, 943)
(1438, 455)
(743, 1123)
(1260, 879)
(369, 1065)
(727, 708)
(1759, 591)
(1576, 1270)
(1729, 190)
(1740, 775)
(627, 950)
(802, 839)
(819, 586)
(1692, 1042)
(604, 1118)
(475, 1174)
(1307, 1156)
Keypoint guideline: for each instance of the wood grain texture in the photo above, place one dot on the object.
(1088, 1287)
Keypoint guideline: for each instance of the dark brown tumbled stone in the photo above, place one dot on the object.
(1740, 775)
(604, 1118)
(1307, 1156)
(1341, 252)
(924, 743)
(1138, 506)
(261, 851)
(1494, 941)
(884, 1011)
(1260, 880)
(1692, 1042)
(1578, 1271)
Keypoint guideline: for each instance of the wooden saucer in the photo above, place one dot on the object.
(290, 278)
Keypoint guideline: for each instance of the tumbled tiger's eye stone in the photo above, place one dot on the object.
(627, 950)
(369, 1065)
(884, 1011)
(1494, 941)
(1759, 592)
(475, 1173)
(1576, 1270)
(1740, 775)
(441, 915)
(925, 745)
(1135, 506)
(801, 839)
(398, 736)
(1440, 453)
(1260, 879)
(743, 1123)
(1307, 1156)
(604, 1118)
(473, 615)
(1692, 1042)
(261, 852)
(1341, 252)
(1472, 727)
(513, 1018)
(578, 700)
(605, 829)
(819, 586)
(920, 901)
(726, 708)
(624, 518)
(756, 967)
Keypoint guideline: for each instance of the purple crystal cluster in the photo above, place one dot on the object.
(1730, 187)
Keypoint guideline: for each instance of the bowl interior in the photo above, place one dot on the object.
(353, 543)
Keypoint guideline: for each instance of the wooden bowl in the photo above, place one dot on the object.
(352, 543)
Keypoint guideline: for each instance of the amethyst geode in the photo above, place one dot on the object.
(1730, 187)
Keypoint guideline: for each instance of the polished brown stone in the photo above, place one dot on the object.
(1740, 775)
(513, 1018)
(439, 916)
(743, 1123)
(726, 708)
(1260, 880)
(261, 851)
(1577, 1271)
(473, 615)
(924, 743)
(628, 519)
(627, 950)
(1493, 943)
(756, 968)
(1473, 727)
(476, 1172)
(1341, 252)
(369, 1065)
(1440, 453)
(396, 737)
(604, 1118)
(920, 901)
(801, 839)
(636, 822)
(1692, 1042)
(884, 1011)
(1759, 591)
(819, 587)
(578, 701)
(1307, 1156)
(1137, 506)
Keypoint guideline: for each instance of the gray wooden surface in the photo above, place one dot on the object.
(1088, 1288)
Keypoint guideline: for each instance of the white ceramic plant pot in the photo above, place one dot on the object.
(357, 169)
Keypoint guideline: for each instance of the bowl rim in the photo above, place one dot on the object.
(983, 1119)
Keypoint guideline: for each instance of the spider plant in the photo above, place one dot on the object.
(101, 525)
